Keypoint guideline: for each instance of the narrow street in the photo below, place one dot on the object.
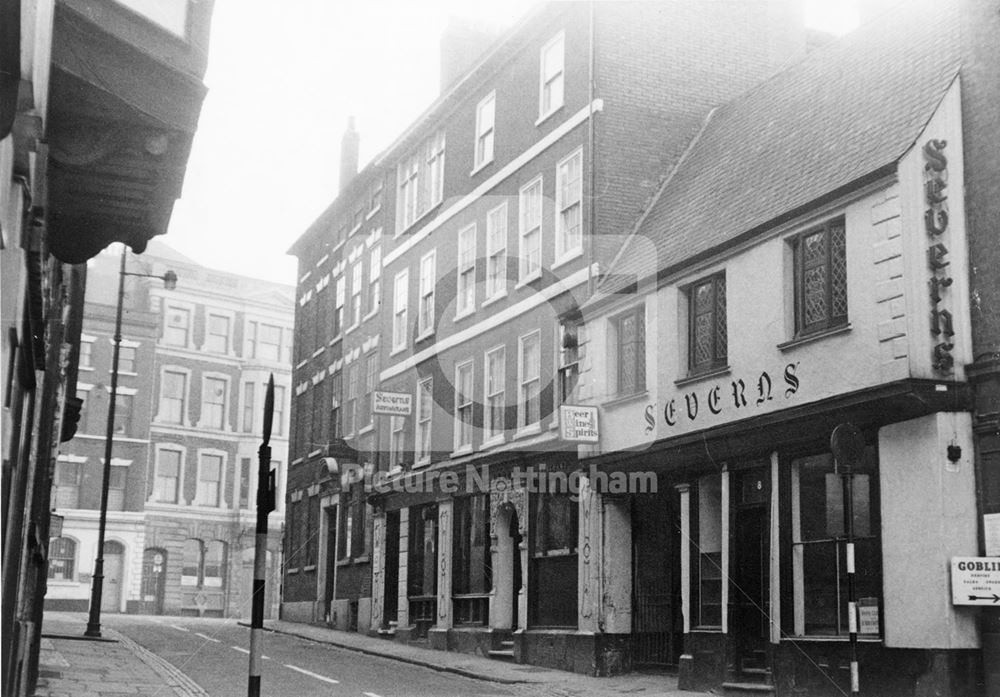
(214, 653)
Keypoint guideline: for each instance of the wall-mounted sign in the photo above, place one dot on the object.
(868, 616)
(936, 223)
(392, 403)
(991, 534)
(578, 423)
(732, 395)
(975, 581)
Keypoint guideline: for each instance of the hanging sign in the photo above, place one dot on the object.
(578, 423)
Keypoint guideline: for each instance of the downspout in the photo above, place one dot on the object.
(591, 139)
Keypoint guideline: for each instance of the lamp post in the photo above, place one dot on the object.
(169, 282)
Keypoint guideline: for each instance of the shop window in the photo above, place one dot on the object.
(554, 534)
(191, 568)
(422, 559)
(820, 278)
(62, 559)
(707, 333)
(204, 564)
(709, 547)
(819, 569)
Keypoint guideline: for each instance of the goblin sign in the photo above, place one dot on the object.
(736, 397)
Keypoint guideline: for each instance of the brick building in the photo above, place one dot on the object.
(193, 367)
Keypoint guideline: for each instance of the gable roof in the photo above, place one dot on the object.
(821, 127)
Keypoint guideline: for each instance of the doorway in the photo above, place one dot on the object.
(114, 557)
(154, 575)
(330, 575)
(657, 632)
(390, 602)
(750, 590)
(507, 575)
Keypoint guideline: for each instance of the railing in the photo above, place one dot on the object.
(471, 609)
(423, 609)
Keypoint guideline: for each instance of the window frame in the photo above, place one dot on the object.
(485, 132)
(420, 181)
(351, 400)
(547, 79)
(223, 422)
(161, 414)
(831, 294)
(423, 445)
(524, 381)
(465, 299)
(127, 355)
(199, 499)
(209, 334)
(528, 270)
(565, 252)
(400, 309)
(490, 407)
(178, 498)
(617, 365)
(167, 327)
(496, 256)
(426, 294)
(464, 404)
(720, 339)
(59, 553)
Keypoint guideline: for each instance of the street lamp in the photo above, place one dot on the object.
(169, 282)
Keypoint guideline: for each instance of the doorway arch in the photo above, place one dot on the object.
(506, 568)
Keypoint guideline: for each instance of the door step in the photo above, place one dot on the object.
(747, 689)
(505, 652)
(388, 632)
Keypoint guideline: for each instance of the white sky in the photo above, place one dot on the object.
(283, 78)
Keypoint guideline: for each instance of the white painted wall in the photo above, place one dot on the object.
(928, 516)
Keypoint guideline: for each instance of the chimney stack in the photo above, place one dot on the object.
(348, 154)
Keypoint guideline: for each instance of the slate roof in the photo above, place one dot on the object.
(843, 113)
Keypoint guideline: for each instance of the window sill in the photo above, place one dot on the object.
(566, 258)
(292, 570)
(461, 450)
(88, 368)
(422, 462)
(397, 350)
(300, 364)
(363, 559)
(298, 460)
(625, 399)
(318, 351)
(426, 334)
(713, 373)
(707, 630)
(492, 442)
(314, 453)
(369, 315)
(335, 339)
(478, 168)
(546, 116)
(309, 567)
(373, 211)
(496, 298)
(352, 328)
(532, 430)
(367, 429)
(465, 314)
(816, 336)
(126, 372)
(353, 231)
(530, 278)
(831, 638)
(427, 213)
(344, 562)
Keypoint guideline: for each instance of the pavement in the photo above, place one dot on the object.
(121, 664)
(71, 665)
(533, 680)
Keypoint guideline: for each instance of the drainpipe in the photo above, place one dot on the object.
(591, 139)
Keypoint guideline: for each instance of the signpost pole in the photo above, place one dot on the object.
(848, 446)
(265, 504)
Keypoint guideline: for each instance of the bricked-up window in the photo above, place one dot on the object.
(173, 394)
(496, 251)
(217, 338)
(466, 300)
(177, 325)
(420, 181)
(471, 546)
(554, 533)
(425, 408)
(168, 475)
(569, 205)
(820, 278)
(425, 306)
(209, 480)
(62, 559)
(68, 476)
(530, 229)
(496, 403)
(463, 405)
(551, 77)
(529, 380)
(819, 579)
(400, 300)
(126, 359)
(628, 369)
(707, 334)
(485, 120)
